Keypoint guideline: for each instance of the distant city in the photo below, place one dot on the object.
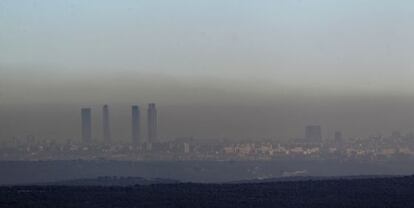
(149, 147)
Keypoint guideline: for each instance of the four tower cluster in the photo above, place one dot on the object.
(152, 124)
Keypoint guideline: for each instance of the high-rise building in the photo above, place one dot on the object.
(105, 124)
(135, 124)
(86, 115)
(313, 133)
(152, 122)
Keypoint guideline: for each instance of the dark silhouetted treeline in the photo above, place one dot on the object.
(110, 181)
(376, 192)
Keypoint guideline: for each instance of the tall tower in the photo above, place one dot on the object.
(313, 133)
(86, 115)
(152, 122)
(105, 124)
(135, 124)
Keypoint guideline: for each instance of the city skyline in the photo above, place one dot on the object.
(236, 103)
(189, 121)
(313, 133)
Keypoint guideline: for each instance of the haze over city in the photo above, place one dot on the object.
(234, 69)
(207, 103)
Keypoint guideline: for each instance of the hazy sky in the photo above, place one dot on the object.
(246, 68)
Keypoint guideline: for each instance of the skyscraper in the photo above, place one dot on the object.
(313, 133)
(135, 124)
(152, 122)
(86, 115)
(105, 124)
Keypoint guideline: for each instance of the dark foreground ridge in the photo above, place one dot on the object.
(375, 192)
(110, 181)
